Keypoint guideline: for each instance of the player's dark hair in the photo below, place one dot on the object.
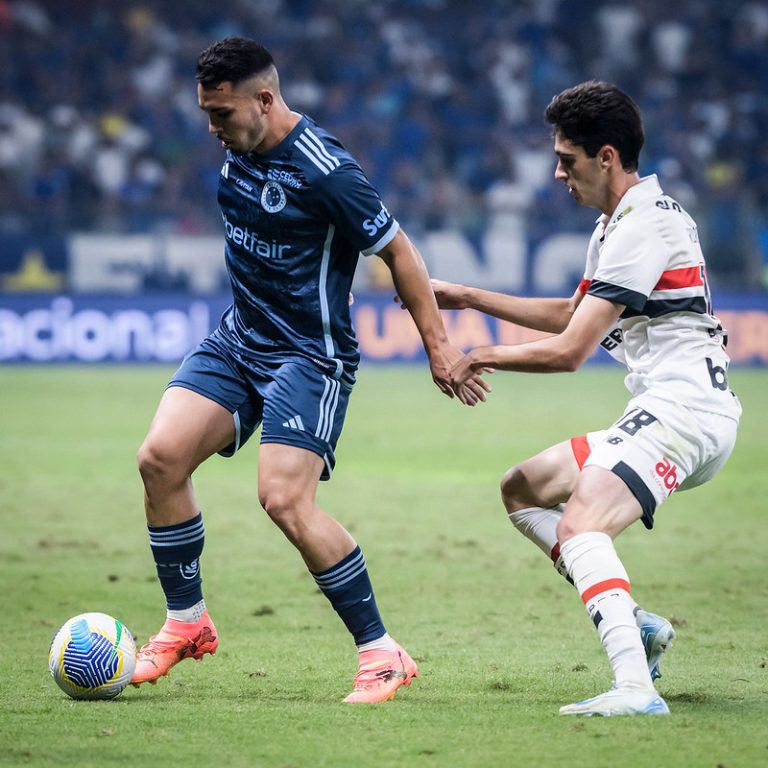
(232, 60)
(596, 113)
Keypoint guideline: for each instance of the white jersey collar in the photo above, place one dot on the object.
(648, 187)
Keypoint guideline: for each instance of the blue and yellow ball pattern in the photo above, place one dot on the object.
(92, 656)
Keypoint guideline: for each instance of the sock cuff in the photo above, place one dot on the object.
(344, 571)
(523, 515)
(180, 533)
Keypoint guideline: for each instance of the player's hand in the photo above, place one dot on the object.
(471, 390)
(465, 374)
(461, 372)
(448, 295)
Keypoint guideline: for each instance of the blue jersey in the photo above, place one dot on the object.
(296, 219)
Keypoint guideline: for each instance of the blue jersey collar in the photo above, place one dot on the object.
(285, 144)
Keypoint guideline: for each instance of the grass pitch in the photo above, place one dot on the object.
(501, 641)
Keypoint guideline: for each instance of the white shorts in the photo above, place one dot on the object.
(658, 447)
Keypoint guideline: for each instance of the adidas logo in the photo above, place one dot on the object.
(295, 422)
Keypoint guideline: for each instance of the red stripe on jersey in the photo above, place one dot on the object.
(604, 586)
(584, 286)
(555, 553)
(686, 277)
(581, 449)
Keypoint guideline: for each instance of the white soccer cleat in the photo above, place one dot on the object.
(620, 701)
(657, 634)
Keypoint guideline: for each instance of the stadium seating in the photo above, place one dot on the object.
(441, 101)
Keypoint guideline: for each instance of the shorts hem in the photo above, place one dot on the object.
(200, 391)
(639, 490)
(307, 446)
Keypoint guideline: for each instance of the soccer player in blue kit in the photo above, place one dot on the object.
(297, 213)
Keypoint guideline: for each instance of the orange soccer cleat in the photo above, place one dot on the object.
(177, 640)
(380, 674)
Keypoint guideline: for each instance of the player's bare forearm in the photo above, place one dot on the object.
(563, 352)
(533, 357)
(412, 284)
(411, 280)
(539, 314)
(549, 315)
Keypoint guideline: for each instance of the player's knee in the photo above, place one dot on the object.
(281, 503)
(565, 530)
(515, 490)
(157, 463)
(576, 520)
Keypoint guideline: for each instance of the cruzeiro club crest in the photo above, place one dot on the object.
(272, 197)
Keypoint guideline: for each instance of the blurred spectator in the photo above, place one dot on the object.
(440, 99)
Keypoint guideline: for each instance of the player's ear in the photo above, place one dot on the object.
(266, 99)
(606, 155)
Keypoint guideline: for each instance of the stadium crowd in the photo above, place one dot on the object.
(440, 100)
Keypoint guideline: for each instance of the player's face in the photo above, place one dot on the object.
(581, 174)
(235, 116)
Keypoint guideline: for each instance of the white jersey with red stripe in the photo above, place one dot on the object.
(647, 256)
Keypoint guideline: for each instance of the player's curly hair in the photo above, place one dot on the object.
(232, 60)
(596, 113)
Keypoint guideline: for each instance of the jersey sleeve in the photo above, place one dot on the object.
(630, 265)
(355, 207)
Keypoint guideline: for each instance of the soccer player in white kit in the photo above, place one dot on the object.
(644, 298)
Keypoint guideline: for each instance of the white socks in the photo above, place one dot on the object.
(540, 526)
(190, 615)
(603, 584)
(383, 643)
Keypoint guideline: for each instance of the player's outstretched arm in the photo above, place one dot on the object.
(412, 284)
(563, 352)
(539, 314)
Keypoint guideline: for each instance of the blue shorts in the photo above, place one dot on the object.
(295, 402)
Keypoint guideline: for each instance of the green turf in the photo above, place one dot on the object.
(501, 641)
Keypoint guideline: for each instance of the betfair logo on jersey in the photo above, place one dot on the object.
(268, 249)
(372, 226)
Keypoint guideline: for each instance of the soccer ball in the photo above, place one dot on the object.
(92, 657)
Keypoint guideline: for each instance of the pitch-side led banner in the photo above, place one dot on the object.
(163, 328)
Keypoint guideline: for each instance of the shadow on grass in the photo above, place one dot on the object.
(692, 697)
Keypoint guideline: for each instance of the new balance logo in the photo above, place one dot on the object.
(295, 422)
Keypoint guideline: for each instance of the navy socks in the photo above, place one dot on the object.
(348, 588)
(177, 549)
